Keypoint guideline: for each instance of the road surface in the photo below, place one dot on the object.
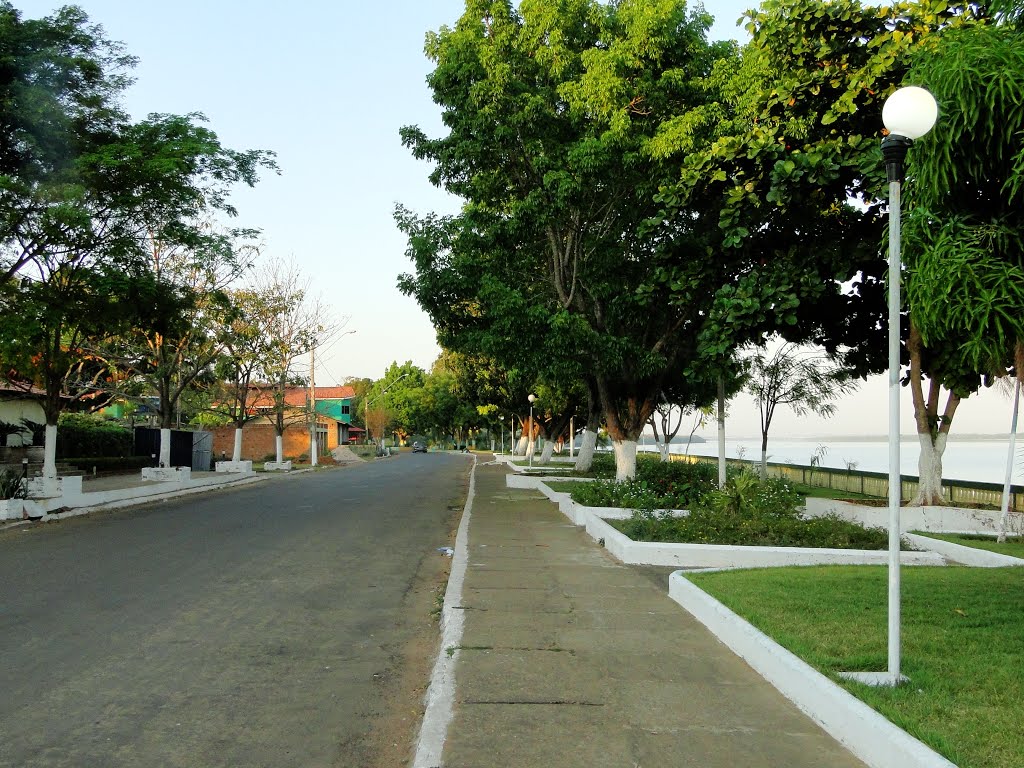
(264, 626)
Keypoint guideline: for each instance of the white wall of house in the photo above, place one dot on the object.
(13, 411)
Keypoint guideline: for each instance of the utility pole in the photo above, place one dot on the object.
(313, 445)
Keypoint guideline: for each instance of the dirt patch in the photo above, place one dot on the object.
(391, 741)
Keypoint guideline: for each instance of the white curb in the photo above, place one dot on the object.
(867, 734)
(960, 553)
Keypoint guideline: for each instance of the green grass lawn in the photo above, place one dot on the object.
(963, 645)
(818, 492)
(1012, 546)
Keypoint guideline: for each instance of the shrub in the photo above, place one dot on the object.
(603, 465)
(752, 512)
(678, 479)
(11, 485)
(658, 485)
(83, 435)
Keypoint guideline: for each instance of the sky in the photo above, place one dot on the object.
(327, 84)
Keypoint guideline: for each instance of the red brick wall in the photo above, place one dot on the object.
(258, 440)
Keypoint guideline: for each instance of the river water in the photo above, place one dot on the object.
(982, 460)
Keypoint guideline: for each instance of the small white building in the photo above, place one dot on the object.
(16, 404)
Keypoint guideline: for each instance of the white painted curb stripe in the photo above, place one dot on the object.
(867, 734)
(440, 698)
(960, 553)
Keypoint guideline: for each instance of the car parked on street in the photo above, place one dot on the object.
(419, 447)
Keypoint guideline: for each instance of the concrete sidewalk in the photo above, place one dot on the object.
(109, 492)
(569, 658)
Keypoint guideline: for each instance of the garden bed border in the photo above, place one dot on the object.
(866, 733)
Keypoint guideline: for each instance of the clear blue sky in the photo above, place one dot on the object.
(327, 85)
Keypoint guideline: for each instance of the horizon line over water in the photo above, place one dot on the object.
(981, 460)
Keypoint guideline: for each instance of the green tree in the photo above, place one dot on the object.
(48, 327)
(294, 322)
(965, 230)
(551, 111)
(801, 379)
(396, 394)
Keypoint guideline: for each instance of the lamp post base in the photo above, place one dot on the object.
(876, 679)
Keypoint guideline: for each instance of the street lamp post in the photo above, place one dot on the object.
(529, 438)
(909, 113)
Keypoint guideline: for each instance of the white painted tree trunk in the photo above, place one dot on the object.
(625, 459)
(545, 454)
(585, 455)
(50, 452)
(236, 454)
(764, 463)
(314, 449)
(165, 448)
(929, 470)
(663, 451)
(521, 446)
(279, 447)
(531, 446)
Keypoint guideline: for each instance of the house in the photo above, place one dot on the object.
(333, 418)
(18, 403)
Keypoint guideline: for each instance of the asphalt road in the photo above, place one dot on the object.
(250, 627)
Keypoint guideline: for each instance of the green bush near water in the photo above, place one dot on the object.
(747, 512)
(658, 485)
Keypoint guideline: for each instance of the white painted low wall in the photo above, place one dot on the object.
(537, 482)
(958, 553)
(937, 519)
(278, 466)
(167, 474)
(724, 556)
(82, 503)
(233, 466)
(868, 735)
(12, 509)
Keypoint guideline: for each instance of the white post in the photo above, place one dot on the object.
(529, 443)
(314, 448)
(895, 480)
(1005, 505)
(721, 432)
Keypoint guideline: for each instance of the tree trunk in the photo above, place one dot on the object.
(929, 471)
(545, 454)
(764, 456)
(626, 412)
(531, 445)
(279, 446)
(520, 449)
(50, 452)
(625, 459)
(585, 455)
(236, 454)
(663, 451)
(165, 447)
(932, 429)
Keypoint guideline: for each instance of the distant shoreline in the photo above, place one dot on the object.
(953, 438)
